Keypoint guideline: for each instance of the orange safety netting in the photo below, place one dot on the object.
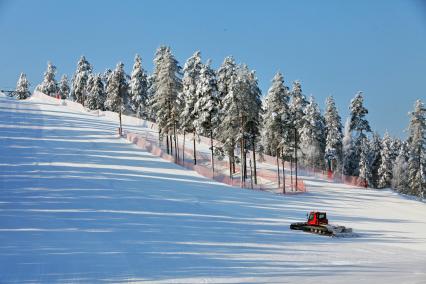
(267, 179)
(334, 176)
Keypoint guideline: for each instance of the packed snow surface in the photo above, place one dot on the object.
(80, 205)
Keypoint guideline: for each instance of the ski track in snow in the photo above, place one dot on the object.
(79, 205)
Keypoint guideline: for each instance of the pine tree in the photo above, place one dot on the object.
(417, 150)
(167, 85)
(95, 91)
(277, 126)
(236, 103)
(350, 164)
(117, 92)
(386, 165)
(225, 75)
(297, 108)
(358, 122)
(275, 116)
(22, 87)
(358, 125)
(227, 117)
(240, 107)
(79, 81)
(311, 134)
(334, 136)
(138, 89)
(49, 85)
(395, 147)
(189, 97)
(105, 77)
(64, 88)
(400, 170)
(254, 121)
(298, 104)
(150, 112)
(364, 162)
(375, 146)
(206, 105)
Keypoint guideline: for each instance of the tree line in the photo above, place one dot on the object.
(227, 106)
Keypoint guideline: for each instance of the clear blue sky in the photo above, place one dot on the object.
(334, 47)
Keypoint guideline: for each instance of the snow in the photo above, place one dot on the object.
(79, 204)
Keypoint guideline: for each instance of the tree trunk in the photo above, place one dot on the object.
(183, 149)
(171, 145)
(295, 155)
(245, 160)
(230, 167)
(233, 159)
(282, 159)
(211, 143)
(254, 162)
(177, 148)
(167, 139)
(291, 173)
(195, 152)
(251, 175)
(121, 128)
(278, 170)
(175, 138)
(242, 162)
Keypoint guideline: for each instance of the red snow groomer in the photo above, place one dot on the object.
(318, 224)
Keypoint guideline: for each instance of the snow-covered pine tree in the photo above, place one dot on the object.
(189, 97)
(298, 104)
(100, 91)
(312, 136)
(276, 102)
(49, 85)
(254, 121)
(240, 106)
(386, 165)
(364, 162)
(375, 146)
(150, 112)
(334, 136)
(349, 161)
(359, 125)
(228, 111)
(206, 105)
(225, 75)
(358, 112)
(276, 118)
(400, 170)
(79, 81)
(167, 85)
(105, 77)
(240, 90)
(297, 108)
(95, 98)
(90, 100)
(117, 92)
(417, 150)
(395, 147)
(64, 88)
(138, 89)
(22, 87)
(158, 58)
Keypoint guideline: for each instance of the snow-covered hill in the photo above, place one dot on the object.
(80, 205)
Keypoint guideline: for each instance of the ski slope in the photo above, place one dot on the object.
(80, 205)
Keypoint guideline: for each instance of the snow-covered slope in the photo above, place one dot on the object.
(80, 205)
